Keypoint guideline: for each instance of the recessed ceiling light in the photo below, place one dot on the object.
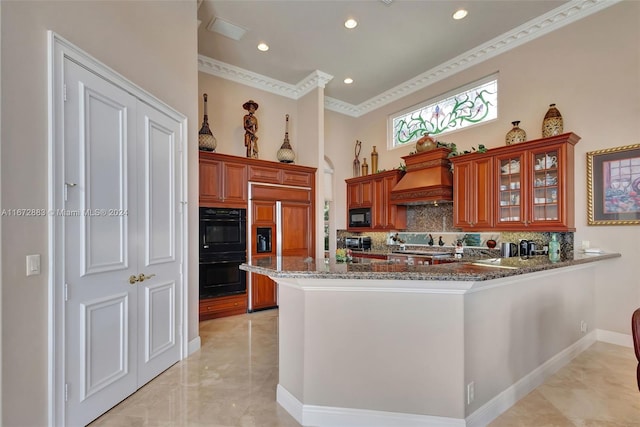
(263, 47)
(459, 14)
(348, 80)
(350, 23)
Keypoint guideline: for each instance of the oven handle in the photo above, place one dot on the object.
(224, 262)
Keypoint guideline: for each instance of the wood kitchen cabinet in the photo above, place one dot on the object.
(213, 308)
(223, 181)
(531, 186)
(375, 191)
(473, 207)
(360, 193)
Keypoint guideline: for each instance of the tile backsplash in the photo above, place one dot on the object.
(426, 223)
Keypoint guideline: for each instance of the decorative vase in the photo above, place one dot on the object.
(285, 153)
(552, 124)
(356, 161)
(425, 143)
(491, 243)
(374, 160)
(206, 140)
(365, 167)
(516, 134)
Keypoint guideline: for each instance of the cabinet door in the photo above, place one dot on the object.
(384, 215)
(210, 181)
(235, 183)
(463, 195)
(483, 191)
(264, 292)
(360, 194)
(379, 217)
(367, 193)
(547, 193)
(512, 183)
(263, 212)
(297, 229)
(473, 194)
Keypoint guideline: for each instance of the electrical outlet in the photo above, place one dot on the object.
(470, 392)
(586, 244)
(583, 326)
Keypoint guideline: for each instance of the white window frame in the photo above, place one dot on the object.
(416, 109)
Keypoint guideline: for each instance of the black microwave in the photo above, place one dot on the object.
(360, 218)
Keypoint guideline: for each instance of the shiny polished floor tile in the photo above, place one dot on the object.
(231, 382)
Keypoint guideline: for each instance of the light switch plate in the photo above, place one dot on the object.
(33, 265)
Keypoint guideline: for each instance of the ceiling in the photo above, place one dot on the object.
(392, 44)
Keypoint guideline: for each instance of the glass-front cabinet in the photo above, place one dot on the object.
(546, 190)
(511, 185)
(532, 186)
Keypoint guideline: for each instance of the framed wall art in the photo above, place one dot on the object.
(613, 186)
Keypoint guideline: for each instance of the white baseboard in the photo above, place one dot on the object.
(614, 338)
(194, 345)
(503, 401)
(327, 416)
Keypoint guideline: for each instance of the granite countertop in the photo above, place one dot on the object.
(363, 268)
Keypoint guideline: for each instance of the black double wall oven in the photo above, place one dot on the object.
(223, 245)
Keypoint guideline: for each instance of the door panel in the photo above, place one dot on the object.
(159, 321)
(103, 144)
(158, 193)
(296, 229)
(104, 336)
(101, 311)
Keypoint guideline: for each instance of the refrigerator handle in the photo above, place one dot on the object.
(278, 228)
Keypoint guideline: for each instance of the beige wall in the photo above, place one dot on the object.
(226, 114)
(512, 330)
(152, 44)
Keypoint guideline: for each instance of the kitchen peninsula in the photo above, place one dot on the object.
(375, 343)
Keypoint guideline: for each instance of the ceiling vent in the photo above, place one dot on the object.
(428, 179)
(226, 28)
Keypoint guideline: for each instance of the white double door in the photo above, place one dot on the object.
(122, 244)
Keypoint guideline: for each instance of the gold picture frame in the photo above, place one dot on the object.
(613, 186)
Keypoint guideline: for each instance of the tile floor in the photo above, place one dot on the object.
(231, 381)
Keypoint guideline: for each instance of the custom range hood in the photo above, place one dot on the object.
(428, 179)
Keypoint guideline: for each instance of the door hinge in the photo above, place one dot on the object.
(66, 392)
(66, 292)
(64, 92)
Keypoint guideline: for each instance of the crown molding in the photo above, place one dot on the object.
(543, 24)
(557, 18)
(316, 79)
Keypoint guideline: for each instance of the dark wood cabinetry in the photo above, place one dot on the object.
(520, 187)
(375, 191)
(224, 182)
